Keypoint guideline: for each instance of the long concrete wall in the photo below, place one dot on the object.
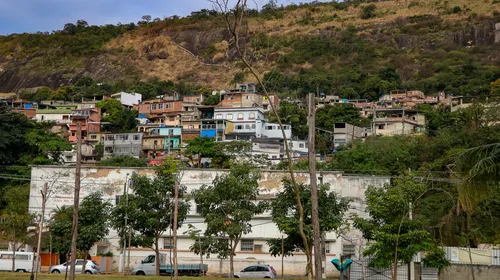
(463, 272)
(111, 181)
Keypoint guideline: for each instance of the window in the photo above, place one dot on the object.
(262, 268)
(190, 126)
(247, 126)
(327, 248)
(229, 116)
(93, 136)
(167, 244)
(149, 259)
(153, 106)
(168, 105)
(218, 116)
(240, 116)
(269, 127)
(253, 126)
(197, 100)
(79, 262)
(275, 157)
(160, 106)
(301, 145)
(248, 97)
(18, 257)
(239, 127)
(251, 116)
(137, 137)
(198, 209)
(247, 245)
(117, 199)
(110, 137)
(250, 269)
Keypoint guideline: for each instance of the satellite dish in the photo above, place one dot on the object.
(214, 92)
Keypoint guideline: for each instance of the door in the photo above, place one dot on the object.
(79, 266)
(262, 272)
(249, 272)
(149, 265)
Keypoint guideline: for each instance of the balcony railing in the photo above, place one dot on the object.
(153, 147)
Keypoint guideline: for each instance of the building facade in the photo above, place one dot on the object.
(122, 144)
(252, 249)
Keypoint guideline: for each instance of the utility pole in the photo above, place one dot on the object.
(76, 201)
(412, 264)
(40, 229)
(176, 213)
(314, 188)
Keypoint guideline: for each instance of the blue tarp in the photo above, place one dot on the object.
(208, 133)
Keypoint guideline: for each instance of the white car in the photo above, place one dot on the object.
(91, 267)
(257, 271)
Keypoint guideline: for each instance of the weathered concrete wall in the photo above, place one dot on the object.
(463, 272)
(111, 181)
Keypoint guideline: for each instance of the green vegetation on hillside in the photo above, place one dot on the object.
(354, 49)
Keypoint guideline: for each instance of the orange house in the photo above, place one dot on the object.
(157, 109)
(241, 99)
(90, 120)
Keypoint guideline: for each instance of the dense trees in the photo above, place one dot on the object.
(150, 208)
(24, 142)
(228, 206)
(120, 118)
(286, 216)
(393, 236)
(93, 225)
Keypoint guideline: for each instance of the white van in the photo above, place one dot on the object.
(24, 261)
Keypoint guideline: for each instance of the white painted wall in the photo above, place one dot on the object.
(128, 99)
(110, 181)
(58, 118)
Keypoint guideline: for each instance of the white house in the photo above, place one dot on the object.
(253, 247)
(128, 99)
(246, 123)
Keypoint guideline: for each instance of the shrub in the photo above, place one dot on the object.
(456, 10)
(368, 11)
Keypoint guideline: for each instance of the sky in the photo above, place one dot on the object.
(19, 16)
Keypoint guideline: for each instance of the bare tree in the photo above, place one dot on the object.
(234, 19)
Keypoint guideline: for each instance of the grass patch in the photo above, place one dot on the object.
(44, 276)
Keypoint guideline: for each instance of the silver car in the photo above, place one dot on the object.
(257, 271)
(91, 267)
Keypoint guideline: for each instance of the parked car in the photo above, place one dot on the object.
(90, 268)
(257, 271)
(24, 261)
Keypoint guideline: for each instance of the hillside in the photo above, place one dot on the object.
(345, 48)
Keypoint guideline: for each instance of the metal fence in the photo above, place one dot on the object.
(360, 270)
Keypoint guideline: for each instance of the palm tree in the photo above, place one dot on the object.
(479, 172)
(480, 166)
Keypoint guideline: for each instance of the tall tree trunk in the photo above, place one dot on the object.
(310, 273)
(234, 29)
(14, 256)
(395, 271)
(157, 256)
(470, 242)
(84, 267)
